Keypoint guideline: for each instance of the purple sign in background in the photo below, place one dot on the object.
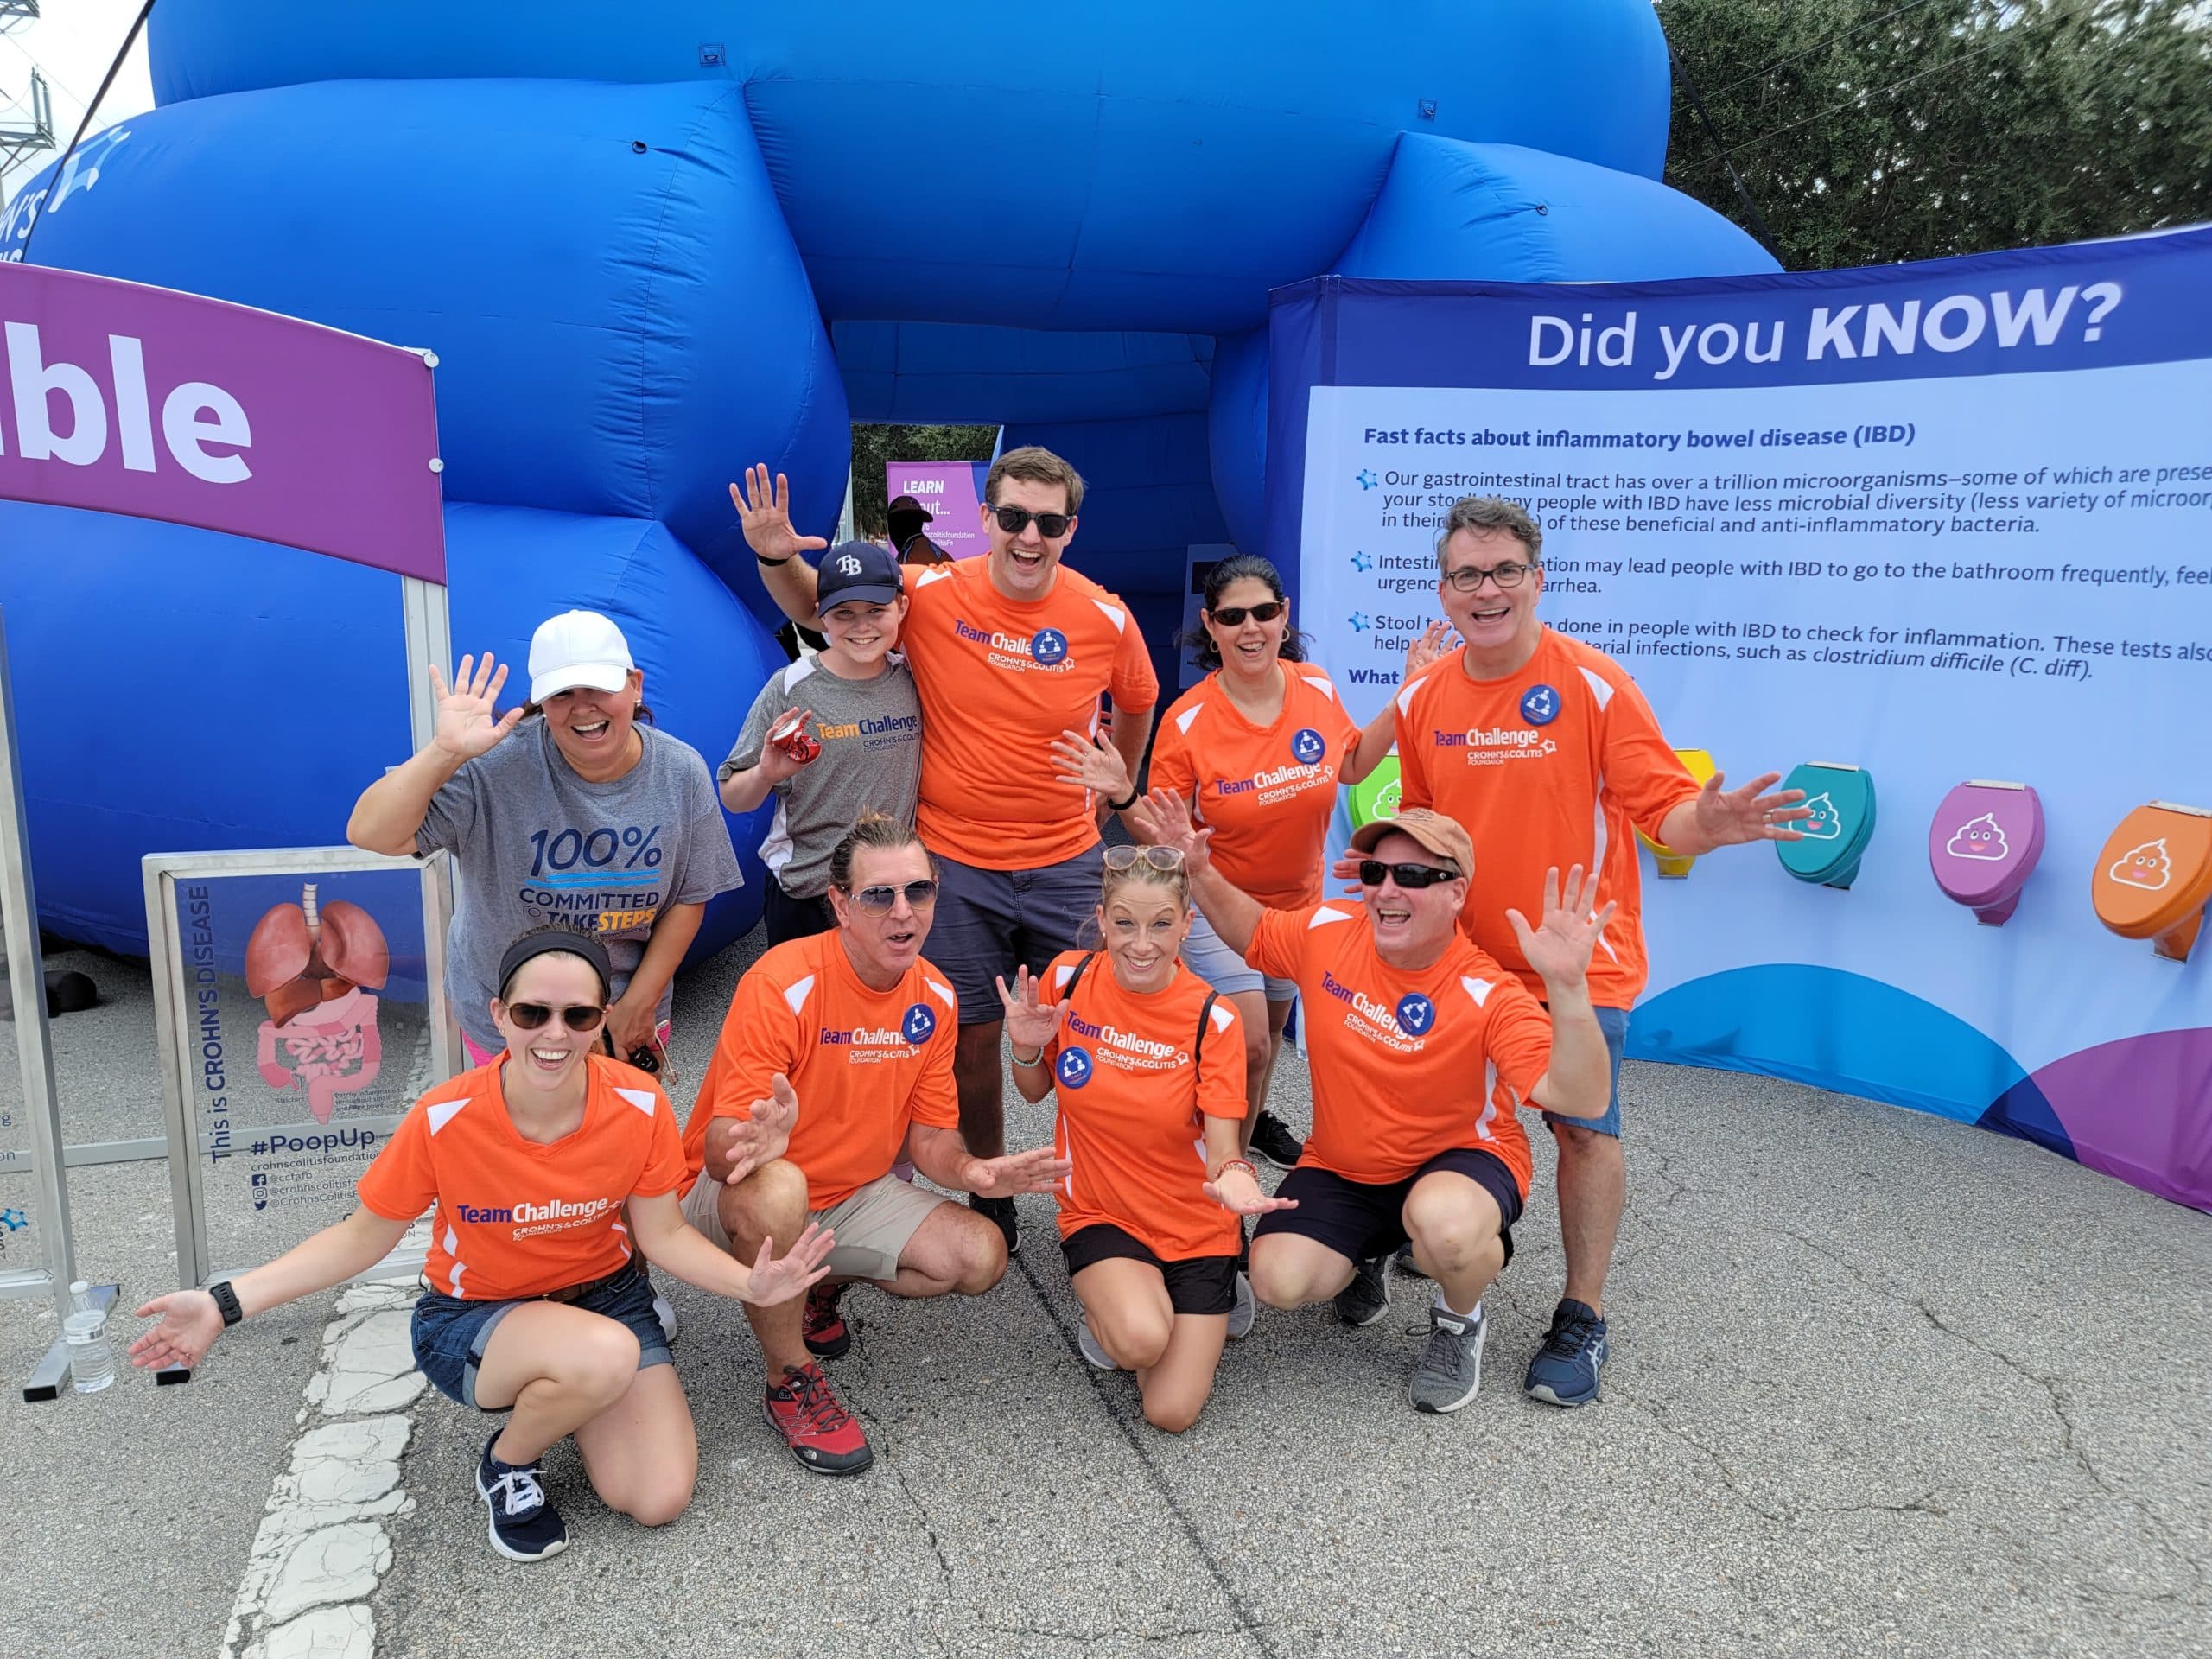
(129, 399)
(953, 490)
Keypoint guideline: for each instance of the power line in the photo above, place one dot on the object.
(1841, 33)
(52, 79)
(1743, 190)
(1996, 39)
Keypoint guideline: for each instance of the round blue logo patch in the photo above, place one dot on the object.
(1416, 1013)
(1307, 746)
(1540, 705)
(1050, 647)
(1073, 1068)
(920, 1025)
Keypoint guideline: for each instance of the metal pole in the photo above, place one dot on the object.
(430, 639)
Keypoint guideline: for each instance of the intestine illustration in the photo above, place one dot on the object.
(2146, 865)
(1982, 838)
(309, 962)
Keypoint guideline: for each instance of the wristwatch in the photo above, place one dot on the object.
(227, 1301)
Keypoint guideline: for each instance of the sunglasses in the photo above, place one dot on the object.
(877, 901)
(1409, 876)
(1160, 858)
(1051, 525)
(530, 1016)
(1232, 616)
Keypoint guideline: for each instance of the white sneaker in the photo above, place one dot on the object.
(1099, 1358)
(1247, 1310)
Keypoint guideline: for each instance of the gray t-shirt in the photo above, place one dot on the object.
(536, 843)
(871, 732)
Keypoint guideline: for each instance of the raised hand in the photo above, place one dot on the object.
(1039, 1170)
(764, 513)
(465, 728)
(1031, 1022)
(1163, 817)
(763, 1137)
(1237, 1191)
(190, 1322)
(1729, 819)
(1557, 948)
(1094, 766)
(1435, 643)
(806, 1261)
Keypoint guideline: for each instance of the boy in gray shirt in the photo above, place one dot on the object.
(857, 699)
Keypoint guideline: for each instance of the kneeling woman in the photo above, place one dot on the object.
(1148, 1067)
(535, 1162)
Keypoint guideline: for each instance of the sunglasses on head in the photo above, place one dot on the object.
(1409, 876)
(530, 1016)
(1125, 857)
(1232, 616)
(877, 901)
(1051, 525)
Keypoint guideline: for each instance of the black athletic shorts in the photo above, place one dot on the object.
(1358, 1220)
(1203, 1284)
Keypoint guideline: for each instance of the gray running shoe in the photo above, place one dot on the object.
(1247, 1310)
(1099, 1358)
(1451, 1368)
(1367, 1299)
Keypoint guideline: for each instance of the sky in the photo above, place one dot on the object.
(73, 42)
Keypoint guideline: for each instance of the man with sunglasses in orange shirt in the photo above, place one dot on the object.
(1543, 747)
(1010, 653)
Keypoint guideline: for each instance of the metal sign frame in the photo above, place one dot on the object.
(195, 1263)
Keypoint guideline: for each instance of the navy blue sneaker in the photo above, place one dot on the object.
(1565, 1371)
(525, 1527)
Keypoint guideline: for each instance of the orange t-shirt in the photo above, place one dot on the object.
(516, 1218)
(1406, 1064)
(1268, 791)
(1133, 1104)
(1000, 679)
(864, 1064)
(1557, 765)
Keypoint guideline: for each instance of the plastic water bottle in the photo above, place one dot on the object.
(92, 1362)
(80, 1298)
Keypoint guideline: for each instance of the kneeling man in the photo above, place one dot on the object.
(835, 1061)
(1422, 1049)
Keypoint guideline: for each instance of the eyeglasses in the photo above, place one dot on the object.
(530, 1016)
(877, 901)
(1466, 579)
(1051, 525)
(1121, 858)
(1412, 877)
(1232, 616)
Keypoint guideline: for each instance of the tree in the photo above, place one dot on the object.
(875, 446)
(1868, 132)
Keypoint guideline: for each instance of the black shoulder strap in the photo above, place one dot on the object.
(1076, 978)
(1205, 1017)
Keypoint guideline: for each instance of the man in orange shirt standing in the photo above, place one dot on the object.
(1543, 747)
(835, 1061)
(1421, 1048)
(1009, 652)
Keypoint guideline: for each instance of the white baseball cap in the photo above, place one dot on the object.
(577, 648)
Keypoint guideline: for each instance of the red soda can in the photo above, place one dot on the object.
(797, 744)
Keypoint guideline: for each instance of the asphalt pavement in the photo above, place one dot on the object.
(1880, 1384)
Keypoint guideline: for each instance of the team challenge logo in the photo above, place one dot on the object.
(920, 1025)
(1048, 648)
(1307, 746)
(1073, 1068)
(1540, 705)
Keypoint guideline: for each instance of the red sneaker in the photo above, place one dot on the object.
(827, 1337)
(822, 1434)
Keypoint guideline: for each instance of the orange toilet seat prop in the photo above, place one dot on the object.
(2154, 876)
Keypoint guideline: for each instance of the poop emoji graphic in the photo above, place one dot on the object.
(309, 962)
(1982, 838)
(1825, 824)
(2146, 865)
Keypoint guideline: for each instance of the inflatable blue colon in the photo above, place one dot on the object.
(650, 246)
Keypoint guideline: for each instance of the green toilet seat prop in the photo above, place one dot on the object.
(1841, 800)
(1376, 796)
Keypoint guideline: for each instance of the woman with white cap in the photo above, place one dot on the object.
(586, 815)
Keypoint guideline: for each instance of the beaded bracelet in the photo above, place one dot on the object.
(1038, 1059)
(1244, 1164)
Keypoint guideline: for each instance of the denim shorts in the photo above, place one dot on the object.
(451, 1332)
(1614, 1023)
(988, 921)
(1205, 954)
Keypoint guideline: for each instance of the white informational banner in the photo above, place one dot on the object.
(1940, 522)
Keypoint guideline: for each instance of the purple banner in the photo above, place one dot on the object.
(144, 401)
(951, 491)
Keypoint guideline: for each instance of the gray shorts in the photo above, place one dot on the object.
(990, 921)
(1205, 954)
(872, 1226)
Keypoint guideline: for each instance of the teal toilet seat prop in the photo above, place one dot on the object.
(1841, 800)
